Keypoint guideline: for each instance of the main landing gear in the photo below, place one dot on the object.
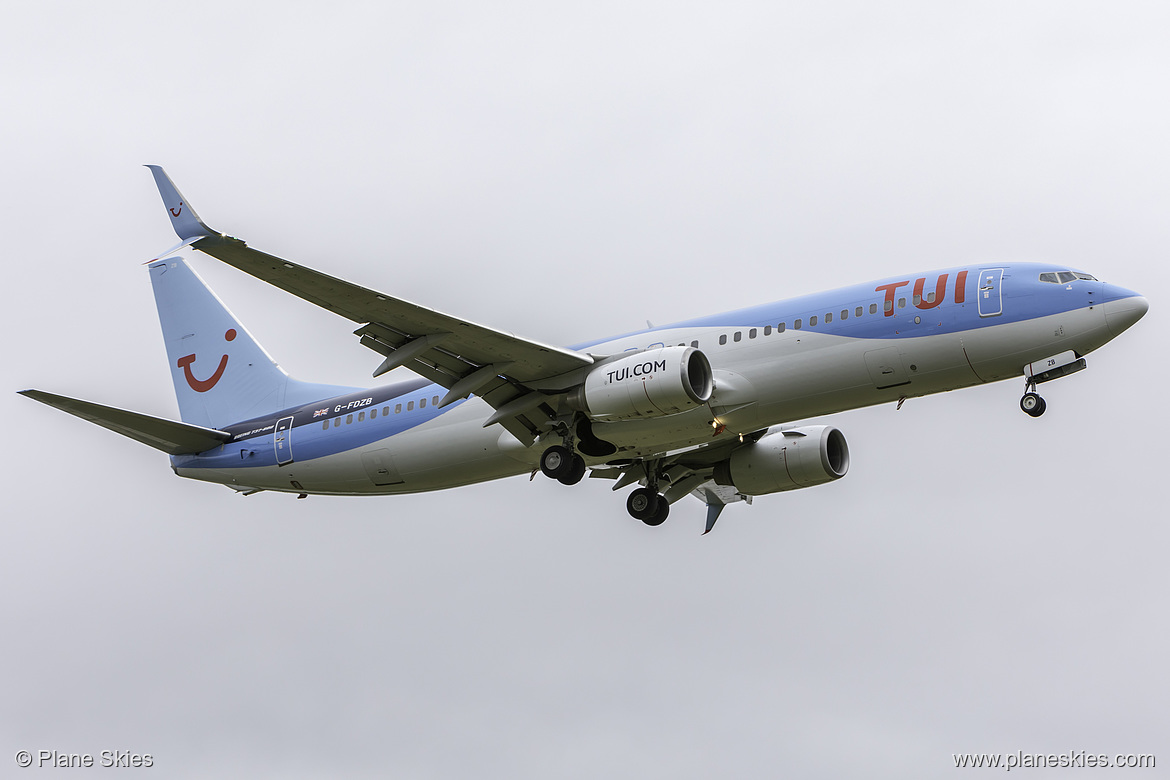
(648, 506)
(562, 464)
(1032, 403)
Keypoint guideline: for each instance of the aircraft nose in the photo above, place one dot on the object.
(1124, 312)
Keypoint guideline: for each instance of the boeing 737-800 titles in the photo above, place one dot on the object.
(701, 407)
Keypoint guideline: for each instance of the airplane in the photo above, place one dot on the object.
(703, 407)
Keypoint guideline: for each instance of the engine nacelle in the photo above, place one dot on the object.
(786, 460)
(653, 383)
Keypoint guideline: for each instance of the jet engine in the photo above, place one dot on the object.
(786, 460)
(652, 383)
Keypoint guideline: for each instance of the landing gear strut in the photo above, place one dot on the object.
(1032, 403)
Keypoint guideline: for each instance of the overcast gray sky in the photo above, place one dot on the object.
(981, 581)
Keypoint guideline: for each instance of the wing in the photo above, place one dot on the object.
(462, 356)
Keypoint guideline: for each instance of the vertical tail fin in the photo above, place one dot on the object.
(221, 374)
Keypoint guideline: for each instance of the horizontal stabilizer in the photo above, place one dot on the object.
(173, 438)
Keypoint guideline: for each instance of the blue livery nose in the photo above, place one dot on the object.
(1124, 310)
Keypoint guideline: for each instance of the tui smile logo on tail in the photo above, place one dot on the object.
(174, 212)
(203, 385)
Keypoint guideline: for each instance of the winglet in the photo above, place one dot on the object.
(184, 220)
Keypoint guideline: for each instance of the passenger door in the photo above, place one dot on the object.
(282, 441)
(990, 292)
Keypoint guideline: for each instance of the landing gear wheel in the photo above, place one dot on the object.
(659, 516)
(1033, 404)
(643, 504)
(556, 461)
(574, 475)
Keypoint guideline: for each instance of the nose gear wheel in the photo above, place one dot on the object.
(1032, 404)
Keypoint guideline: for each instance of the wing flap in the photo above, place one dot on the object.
(173, 438)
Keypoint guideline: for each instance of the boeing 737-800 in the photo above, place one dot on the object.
(701, 407)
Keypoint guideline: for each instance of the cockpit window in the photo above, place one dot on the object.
(1064, 277)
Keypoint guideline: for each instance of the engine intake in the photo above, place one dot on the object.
(786, 460)
(653, 383)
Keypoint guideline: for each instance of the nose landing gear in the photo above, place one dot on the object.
(1032, 404)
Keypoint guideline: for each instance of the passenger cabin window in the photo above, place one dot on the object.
(844, 314)
(325, 425)
(348, 419)
(410, 406)
(738, 335)
(873, 308)
(828, 317)
(796, 325)
(385, 410)
(930, 297)
(722, 339)
(361, 416)
(422, 403)
(752, 333)
(857, 312)
(435, 400)
(901, 303)
(780, 328)
(767, 330)
(917, 299)
(373, 413)
(397, 408)
(812, 321)
(336, 422)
